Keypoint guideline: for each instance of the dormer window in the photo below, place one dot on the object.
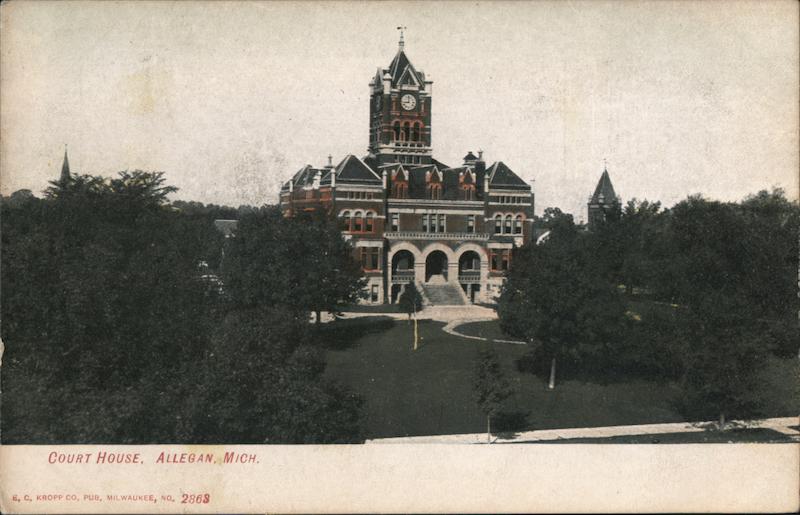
(434, 191)
(400, 190)
(468, 192)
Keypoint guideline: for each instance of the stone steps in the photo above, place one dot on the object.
(445, 294)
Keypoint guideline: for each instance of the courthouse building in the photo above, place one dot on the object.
(410, 217)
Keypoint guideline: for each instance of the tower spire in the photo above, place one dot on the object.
(65, 173)
(402, 42)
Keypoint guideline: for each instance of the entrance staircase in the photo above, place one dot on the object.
(438, 292)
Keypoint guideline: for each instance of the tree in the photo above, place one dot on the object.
(301, 263)
(101, 300)
(490, 386)
(727, 268)
(625, 243)
(111, 331)
(410, 301)
(556, 295)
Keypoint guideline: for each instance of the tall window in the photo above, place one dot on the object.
(368, 223)
(441, 223)
(434, 191)
(507, 227)
(400, 190)
(500, 260)
(424, 223)
(498, 224)
(470, 224)
(357, 221)
(397, 131)
(406, 131)
(370, 258)
(395, 222)
(468, 192)
(415, 133)
(346, 219)
(518, 224)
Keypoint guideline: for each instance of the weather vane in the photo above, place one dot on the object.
(402, 30)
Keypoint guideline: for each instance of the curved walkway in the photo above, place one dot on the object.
(451, 326)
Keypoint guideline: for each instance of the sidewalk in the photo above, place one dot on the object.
(781, 425)
(470, 313)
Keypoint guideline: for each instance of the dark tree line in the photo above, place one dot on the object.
(701, 293)
(112, 332)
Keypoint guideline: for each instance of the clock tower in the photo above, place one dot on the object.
(400, 113)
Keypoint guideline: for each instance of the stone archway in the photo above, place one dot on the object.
(436, 265)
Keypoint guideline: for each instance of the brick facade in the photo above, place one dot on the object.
(409, 216)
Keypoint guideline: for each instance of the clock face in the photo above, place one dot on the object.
(408, 102)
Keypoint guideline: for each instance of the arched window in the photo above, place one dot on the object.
(434, 191)
(415, 135)
(507, 229)
(407, 131)
(518, 224)
(346, 220)
(397, 131)
(498, 224)
(357, 221)
(468, 192)
(368, 222)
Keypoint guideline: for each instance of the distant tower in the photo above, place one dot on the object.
(603, 200)
(65, 168)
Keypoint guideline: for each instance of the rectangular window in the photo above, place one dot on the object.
(471, 224)
(500, 260)
(374, 260)
(424, 223)
(370, 258)
(395, 222)
(441, 223)
(374, 293)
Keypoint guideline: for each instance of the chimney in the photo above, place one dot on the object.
(480, 171)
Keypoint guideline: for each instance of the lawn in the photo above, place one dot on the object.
(490, 330)
(430, 391)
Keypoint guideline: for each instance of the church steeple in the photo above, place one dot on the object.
(65, 173)
(604, 199)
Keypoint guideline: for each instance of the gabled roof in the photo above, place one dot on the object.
(403, 72)
(501, 176)
(302, 175)
(353, 169)
(604, 192)
(439, 164)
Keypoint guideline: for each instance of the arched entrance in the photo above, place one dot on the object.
(469, 262)
(436, 265)
(403, 261)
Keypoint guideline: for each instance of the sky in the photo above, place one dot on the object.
(229, 99)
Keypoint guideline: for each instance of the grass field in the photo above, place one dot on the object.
(490, 330)
(429, 391)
